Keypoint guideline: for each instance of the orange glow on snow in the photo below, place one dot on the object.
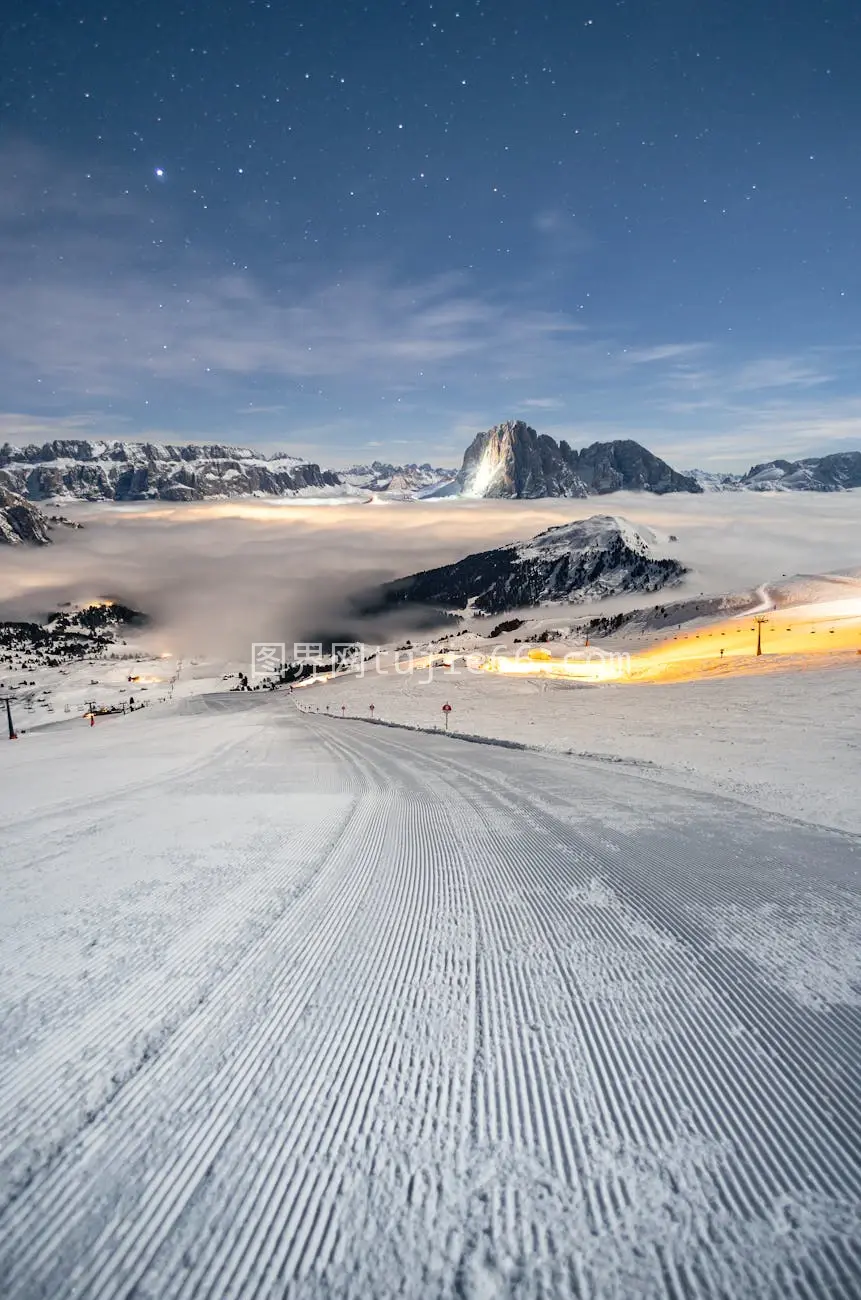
(790, 636)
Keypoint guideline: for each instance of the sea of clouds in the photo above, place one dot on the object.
(216, 576)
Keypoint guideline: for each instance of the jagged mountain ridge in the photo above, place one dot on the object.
(833, 473)
(837, 472)
(510, 460)
(129, 471)
(589, 559)
(513, 460)
(396, 480)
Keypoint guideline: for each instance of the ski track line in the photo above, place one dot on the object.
(353, 1099)
(675, 927)
(847, 1038)
(130, 1253)
(297, 1246)
(399, 1052)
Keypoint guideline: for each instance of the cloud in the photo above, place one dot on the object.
(662, 352)
(102, 299)
(218, 576)
(114, 324)
(542, 403)
(777, 372)
(92, 337)
(18, 427)
(562, 234)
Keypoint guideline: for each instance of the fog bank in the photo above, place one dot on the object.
(217, 576)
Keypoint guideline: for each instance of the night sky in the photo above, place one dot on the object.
(368, 231)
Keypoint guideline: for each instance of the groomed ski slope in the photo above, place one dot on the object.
(302, 1007)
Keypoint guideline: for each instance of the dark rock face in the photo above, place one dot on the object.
(834, 473)
(20, 521)
(127, 471)
(626, 466)
(512, 460)
(587, 560)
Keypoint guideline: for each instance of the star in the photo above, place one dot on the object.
(159, 173)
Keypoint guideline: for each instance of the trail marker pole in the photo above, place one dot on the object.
(343, 709)
(371, 707)
(446, 710)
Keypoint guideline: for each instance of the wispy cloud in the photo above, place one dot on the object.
(541, 404)
(778, 372)
(663, 352)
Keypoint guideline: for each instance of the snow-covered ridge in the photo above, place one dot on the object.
(71, 451)
(397, 480)
(837, 472)
(598, 532)
(589, 559)
(21, 521)
(130, 471)
(117, 470)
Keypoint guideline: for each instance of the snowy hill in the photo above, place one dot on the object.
(586, 560)
(68, 634)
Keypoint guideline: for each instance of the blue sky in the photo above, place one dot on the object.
(363, 231)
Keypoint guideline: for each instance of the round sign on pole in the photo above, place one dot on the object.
(446, 710)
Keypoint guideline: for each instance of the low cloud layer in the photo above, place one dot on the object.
(216, 577)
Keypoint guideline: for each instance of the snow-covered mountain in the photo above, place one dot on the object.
(21, 521)
(129, 471)
(833, 473)
(711, 481)
(401, 481)
(586, 560)
(512, 460)
(132, 471)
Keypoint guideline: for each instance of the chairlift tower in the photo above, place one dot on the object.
(760, 619)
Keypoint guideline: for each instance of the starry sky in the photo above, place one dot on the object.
(364, 231)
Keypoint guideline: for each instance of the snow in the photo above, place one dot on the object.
(784, 742)
(308, 1007)
(595, 534)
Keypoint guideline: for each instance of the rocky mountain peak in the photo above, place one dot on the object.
(514, 460)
